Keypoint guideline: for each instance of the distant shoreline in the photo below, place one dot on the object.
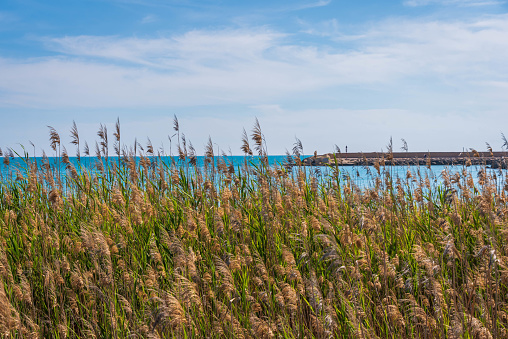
(492, 159)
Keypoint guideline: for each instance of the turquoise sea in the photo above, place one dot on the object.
(363, 176)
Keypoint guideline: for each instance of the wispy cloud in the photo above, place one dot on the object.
(147, 3)
(203, 49)
(260, 66)
(323, 28)
(319, 3)
(322, 128)
(149, 19)
(7, 17)
(424, 80)
(463, 3)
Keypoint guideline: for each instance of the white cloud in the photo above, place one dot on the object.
(147, 19)
(465, 50)
(173, 52)
(325, 28)
(6, 18)
(319, 3)
(321, 129)
(435, 80)
(462, 3)
(252, 66)
(318, 129)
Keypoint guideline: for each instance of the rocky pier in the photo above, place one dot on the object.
(491, 159)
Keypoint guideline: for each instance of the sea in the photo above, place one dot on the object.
(362, 176)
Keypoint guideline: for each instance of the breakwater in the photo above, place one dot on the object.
(490, 159)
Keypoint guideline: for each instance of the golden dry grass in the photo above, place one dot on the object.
(146, 249)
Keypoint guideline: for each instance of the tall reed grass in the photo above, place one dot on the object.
(141, 248)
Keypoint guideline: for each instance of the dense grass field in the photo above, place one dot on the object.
(147, 249)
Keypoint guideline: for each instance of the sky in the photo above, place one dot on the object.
(329, 72)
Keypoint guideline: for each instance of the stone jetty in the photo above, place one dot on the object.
(491, 159)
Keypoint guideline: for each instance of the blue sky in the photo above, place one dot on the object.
(433, 72)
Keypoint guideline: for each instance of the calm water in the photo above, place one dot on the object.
(90, 163)
(361, 175)
(19, 165)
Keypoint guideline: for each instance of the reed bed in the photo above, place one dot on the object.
(143, 248)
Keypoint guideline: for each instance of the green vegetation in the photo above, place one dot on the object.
(144, 249)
